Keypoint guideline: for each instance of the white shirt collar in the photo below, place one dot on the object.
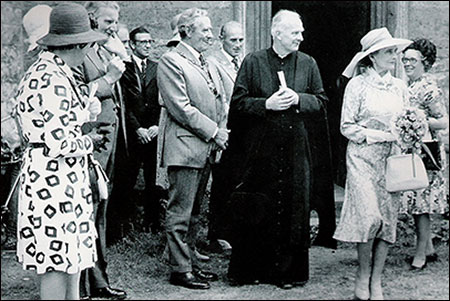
(192, 50)
(228, 56)
(138, 61)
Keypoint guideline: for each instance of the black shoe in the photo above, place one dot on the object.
(432, 257)
(286, 285)
(188, 280)
(109, 292)
(299, 283)
(206, 276)
(85, 298)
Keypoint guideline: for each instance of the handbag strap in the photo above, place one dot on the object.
(16, 183)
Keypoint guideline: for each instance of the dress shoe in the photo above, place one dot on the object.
(286, 285)
(188, 280)
(85, 298)
(206, 276)
(225, 245)
(299, 283)
(416, 268)
(109, 292)
(432, 257)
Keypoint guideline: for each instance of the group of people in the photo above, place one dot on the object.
(93, 98)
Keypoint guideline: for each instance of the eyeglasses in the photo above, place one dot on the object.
(412, 60)
(143, 42)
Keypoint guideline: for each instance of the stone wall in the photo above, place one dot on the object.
(426, 19)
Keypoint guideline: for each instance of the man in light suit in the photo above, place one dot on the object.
(103, 66)
(195, 129)
(228, 61)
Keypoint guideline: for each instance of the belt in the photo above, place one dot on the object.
(33, 145)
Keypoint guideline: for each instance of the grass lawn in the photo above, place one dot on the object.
(136, 265)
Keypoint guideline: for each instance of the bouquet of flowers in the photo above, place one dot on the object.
(409, 127)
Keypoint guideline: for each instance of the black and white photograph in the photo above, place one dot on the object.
(224, 150)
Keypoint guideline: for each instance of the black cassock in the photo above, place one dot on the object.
(265, 173)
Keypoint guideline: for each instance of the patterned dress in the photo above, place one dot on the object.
(425, 95)
(369, 210)
(56, 230)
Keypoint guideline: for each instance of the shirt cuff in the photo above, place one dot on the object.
(215, 132)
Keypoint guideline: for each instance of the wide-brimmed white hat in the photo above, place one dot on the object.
(36, 23)
(374, 40)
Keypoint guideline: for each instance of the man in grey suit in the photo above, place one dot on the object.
(103, 66)
(228, 60)
(195, 130)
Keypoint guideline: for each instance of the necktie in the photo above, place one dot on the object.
(235, 63)
(202, 61)
(204, 66)
(143, 69)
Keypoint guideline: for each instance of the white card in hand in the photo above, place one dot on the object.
(282, 79)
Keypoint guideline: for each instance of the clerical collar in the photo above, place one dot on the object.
(276, 53)
(192, 50)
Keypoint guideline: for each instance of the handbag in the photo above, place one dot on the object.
(101, 179)
(405, 172)
(430, 155)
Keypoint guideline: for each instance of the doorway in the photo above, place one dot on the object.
(333, 30)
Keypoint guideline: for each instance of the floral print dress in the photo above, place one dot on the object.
(426, 95)
(56, 230)
(369, 210)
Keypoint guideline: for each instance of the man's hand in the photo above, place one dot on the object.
(143, 136)
(115, 45)
(221, 138)
(281, 100)
(153, 131)
(115, 70)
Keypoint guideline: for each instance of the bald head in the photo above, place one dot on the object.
(232, 37)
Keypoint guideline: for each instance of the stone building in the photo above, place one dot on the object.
(333, 29)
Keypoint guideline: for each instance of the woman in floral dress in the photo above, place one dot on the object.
(369, 212)
(56, 231)
(418, 59)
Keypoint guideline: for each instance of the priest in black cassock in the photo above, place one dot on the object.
(267, 168)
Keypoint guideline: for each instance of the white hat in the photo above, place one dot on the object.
(374, 40)
(36, 23)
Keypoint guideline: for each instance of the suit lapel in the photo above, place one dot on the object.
(150, 72)
(226, 65)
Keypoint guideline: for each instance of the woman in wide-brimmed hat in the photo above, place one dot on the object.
(56, 235)
(369, 212)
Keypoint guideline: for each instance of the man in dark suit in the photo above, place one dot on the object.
(103, 66)
(193, 97)
(140, 95)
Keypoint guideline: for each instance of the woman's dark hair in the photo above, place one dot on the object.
(64, 47)
(427, 49)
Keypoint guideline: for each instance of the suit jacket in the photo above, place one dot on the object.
(140, 98)
(91, 71)
(194, 111)
(226, 71)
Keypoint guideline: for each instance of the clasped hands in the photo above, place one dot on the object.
(221, 138)
(146, 135)
(283, 99)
